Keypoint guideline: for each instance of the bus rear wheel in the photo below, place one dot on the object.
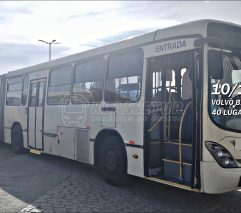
(113, 162)
(17, 139)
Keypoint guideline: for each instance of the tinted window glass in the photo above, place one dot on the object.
(14, 91)
(230, 35)
(123, 83)
(15, 80)
(61, 76)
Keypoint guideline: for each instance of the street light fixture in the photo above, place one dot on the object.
(49, 43)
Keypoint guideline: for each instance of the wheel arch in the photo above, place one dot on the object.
(17, 142)
(104, 133)
(16, 123)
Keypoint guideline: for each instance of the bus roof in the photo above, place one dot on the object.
(190, 28)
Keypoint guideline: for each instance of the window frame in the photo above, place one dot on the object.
(119, 53)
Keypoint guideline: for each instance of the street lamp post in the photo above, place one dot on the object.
(49, 43)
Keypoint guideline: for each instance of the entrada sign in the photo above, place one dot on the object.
(171, 46)
(168, 47)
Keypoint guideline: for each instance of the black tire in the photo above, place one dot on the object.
(17, 139)
(113, 162)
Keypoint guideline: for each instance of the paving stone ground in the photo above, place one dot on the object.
(51, 184)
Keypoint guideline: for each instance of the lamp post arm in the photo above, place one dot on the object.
(50, 44)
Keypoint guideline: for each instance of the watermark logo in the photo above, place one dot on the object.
(75, 114)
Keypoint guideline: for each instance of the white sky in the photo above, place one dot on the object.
(80, 25)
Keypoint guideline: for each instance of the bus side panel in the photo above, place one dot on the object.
(135, 158)
(129, 123)
(52, 119)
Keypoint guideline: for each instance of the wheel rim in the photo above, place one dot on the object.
(111, 162)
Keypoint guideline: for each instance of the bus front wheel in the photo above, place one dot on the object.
(17, 139)
(113, 162)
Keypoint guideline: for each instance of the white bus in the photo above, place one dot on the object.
(153, 106)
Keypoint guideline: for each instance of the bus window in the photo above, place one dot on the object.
(59, 85)
(88, 82)
(14, 91)
(123, 81)
(25, 90)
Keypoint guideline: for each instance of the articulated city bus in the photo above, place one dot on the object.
(164, 106)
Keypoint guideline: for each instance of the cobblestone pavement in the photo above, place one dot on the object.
(50, 184)
(87, 193)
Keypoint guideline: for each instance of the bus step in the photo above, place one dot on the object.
(172, 151)
(171, 169)
(36, 151)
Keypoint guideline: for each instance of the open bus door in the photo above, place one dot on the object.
(170, 125)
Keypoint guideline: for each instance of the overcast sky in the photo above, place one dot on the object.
(80, 25)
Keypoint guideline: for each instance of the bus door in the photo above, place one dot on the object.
(170, 124)
(36, 113)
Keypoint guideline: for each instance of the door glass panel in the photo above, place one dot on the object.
(33, 95)
(41, 93)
